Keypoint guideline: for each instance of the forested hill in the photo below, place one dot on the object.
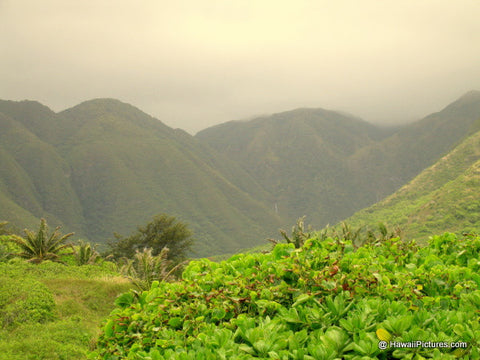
(301, 157)
(386, 166)
(327, 165)
(104, 166)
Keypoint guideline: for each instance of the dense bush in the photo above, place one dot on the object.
(24, 301)
(325, 300)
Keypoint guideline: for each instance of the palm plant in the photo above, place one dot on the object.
(146, 268)
(40, 246)
(86, 254)
(299, 234)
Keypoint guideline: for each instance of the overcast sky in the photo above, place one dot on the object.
(196, 63)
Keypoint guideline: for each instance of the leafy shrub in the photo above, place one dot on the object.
(325, 300)
(25, 301)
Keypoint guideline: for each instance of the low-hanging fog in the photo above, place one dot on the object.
(196, 63)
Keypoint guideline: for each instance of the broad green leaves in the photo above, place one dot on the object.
(314, 302)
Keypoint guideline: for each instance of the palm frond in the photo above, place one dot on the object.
(39, 246)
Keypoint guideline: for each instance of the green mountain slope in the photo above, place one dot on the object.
(327, 165)
(34, 177)
(443, 197)
(35, 117)
(383, 167)
(299, 157)
(105, 166)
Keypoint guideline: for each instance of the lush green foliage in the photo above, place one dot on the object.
(326, 300)
(7, 248)
(298, 236)
(40, 246)
(18, 269)
(163, 231)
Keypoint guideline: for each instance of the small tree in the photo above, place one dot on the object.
(163, 231)
(40, 246)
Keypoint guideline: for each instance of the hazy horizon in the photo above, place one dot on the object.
(194, 64)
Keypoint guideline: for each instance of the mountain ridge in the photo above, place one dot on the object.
(124, 164)
(348, 169)
(105, 166)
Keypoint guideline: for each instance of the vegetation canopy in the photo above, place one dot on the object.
(51, 311)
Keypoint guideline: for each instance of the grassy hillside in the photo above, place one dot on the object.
(34, 178)
(443, 197)
(52, 311)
